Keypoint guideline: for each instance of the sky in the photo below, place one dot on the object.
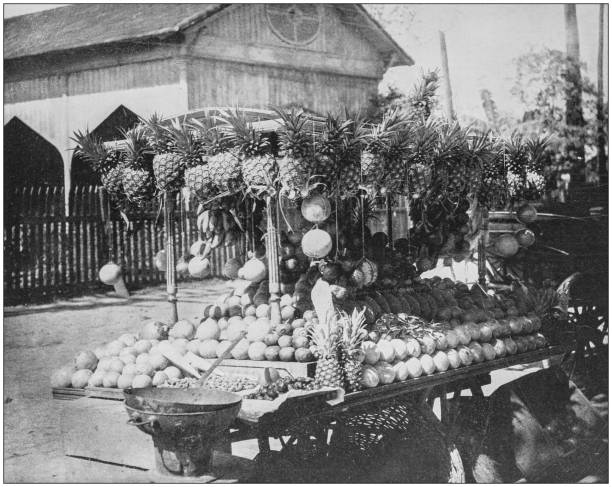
(482, 42)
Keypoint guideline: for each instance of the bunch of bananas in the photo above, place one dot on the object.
(221, 225)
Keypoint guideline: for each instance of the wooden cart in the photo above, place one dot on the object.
(96, 434)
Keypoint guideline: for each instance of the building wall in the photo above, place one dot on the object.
(222, 83)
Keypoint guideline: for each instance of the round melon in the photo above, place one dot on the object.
(527, 213)
(208, 348)
(159, 378)
(316, 208)
(110, 379)
(316, 243)
(80, 378)
(369, 377)
(258, 330)
(386, 351)
(86, 360)
(415, 368)
(256, 351)
(372, 355)
(386, 372)
(199, 267)
(254, 270)
(141, 380)
(125, 381)
(525, 237)
(173, 372)
(208, 330)
(110, 274)
(63, 376)
(401, 370)
(158, 361)
(182, 329)
(506, 245)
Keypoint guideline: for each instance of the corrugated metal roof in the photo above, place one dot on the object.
(83, 25)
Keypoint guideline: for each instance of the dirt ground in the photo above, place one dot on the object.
(39, 339)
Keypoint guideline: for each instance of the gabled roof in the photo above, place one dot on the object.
(92, 24)
(88, 25)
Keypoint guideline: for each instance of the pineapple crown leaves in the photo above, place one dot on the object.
(156, 133)
(294, 135)
(353, 328)
(376, 137)
(136, 146)
(241, 133)
(90, 148)
(536, 149)
(332, 140)
(422, 98)
(212, 134)
(184, 139)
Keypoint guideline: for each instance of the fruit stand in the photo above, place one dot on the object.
(326, 326)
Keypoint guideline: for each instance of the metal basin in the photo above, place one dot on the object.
(175, 400)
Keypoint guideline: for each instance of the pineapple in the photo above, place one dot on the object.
(187, 141)
(222, 159)
(376, 140)
(395, 177)
(257, 164)
(296, 145)
(328, 151)
(351, 355)
(325, 338)
(452, 161)
(425, 138)
(350, 158)
(136, 174)
(104, 162)
(168, 165)
(492, 190)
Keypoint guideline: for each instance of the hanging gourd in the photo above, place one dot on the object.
(525, 237)
(110, 273)
(506, 245)
(231, 267)
(527, 213)
(199, 267)
(369, 270)
(160, 261)
(316, 243)
(197, 247)
(316, 208)
(182, 267)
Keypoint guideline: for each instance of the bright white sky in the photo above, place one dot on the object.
(482, 41)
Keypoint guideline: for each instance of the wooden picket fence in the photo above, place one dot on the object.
(47, 253)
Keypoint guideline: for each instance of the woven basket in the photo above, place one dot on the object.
(398, 443)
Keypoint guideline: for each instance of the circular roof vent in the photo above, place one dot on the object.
(297, 23)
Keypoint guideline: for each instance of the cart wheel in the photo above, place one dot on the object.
(590, 323)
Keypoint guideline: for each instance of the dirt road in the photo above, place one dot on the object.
(39, 339)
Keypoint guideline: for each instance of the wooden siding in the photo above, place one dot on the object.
(243, 34)
(220, 83)
(111, 78)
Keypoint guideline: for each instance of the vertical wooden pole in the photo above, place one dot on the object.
(448, 93)
(602, 168)
(169, 204)
(482, 248)
(273, 268)
(389, 220)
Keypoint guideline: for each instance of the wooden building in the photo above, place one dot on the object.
(74, 67)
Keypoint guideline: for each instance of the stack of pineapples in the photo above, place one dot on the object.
(338, 340)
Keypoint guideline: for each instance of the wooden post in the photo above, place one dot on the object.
(169, 204)
(273, 269)
(601, 136)
(448, 98)
(482, 248)
(389, 220)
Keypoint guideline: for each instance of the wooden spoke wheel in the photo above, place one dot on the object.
(590, 324)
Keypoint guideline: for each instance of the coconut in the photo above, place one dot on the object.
(507, 245)
(527, 213)
(316, 208)
(316, 243)
(525, 237)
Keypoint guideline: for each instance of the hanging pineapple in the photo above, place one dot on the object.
(104, 162)
(453, 162)
(137, 179)
(257, 164)
(223, 160)
(424, 141)
(168, 165)
(296, 145)
(350, 159)
(376, 139)
(396, 164)
(351, 356)
(516, 158)
(534, 177)
(492, 191)
(328, 151)
(187, 141)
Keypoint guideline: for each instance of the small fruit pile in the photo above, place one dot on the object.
(229, 383)
(269, 392)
